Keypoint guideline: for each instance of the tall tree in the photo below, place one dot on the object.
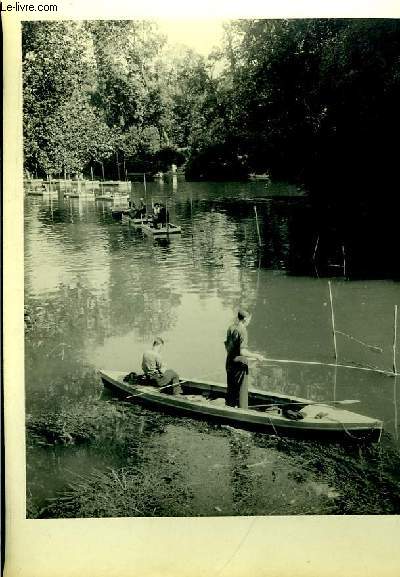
(62, 131)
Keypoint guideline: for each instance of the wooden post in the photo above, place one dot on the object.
(396, 431)
(145, 190)
(396, 428)
(333, 321)
(395, 340)
(244, 394)
(316, 248)
(258, 228)
(344, 261)
(335, 383)
(91, 172)
(118, 171)
(131, 196)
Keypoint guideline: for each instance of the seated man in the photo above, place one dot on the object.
(156, 214)
(155, 371)
(137, 211)
(142, 209)
(132, 208)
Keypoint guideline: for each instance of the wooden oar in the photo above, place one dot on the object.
(158, 389)
(343, 402)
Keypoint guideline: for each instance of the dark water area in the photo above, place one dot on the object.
(97, 292)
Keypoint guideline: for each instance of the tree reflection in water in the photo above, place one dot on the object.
(95, 291)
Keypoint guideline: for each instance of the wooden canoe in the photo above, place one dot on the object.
(163, 231)
(207, 400)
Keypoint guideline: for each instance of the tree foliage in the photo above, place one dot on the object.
(61, 129)
(302, 99)
(90, 90)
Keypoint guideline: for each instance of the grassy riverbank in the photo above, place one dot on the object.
(292, 476)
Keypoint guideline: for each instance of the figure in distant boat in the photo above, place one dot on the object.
(160, 215)
(137, 211)
(237, 358)
(142, 208)
(156, 372)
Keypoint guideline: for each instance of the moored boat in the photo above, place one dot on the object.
(267, 411)
(127, 219)
(264, 176)
(112, 183)
(162, 231)
(118, 211)
(37, 192)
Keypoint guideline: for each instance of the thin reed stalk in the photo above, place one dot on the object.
(344, 261)
(258, 228)
(395, 340)
(396, 421)
(333, 321)
(316, 248)
(145, 189)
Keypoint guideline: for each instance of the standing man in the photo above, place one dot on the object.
(237, 357)
(156, 214)
(156, 372)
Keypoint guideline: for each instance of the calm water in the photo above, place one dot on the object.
(97, 292)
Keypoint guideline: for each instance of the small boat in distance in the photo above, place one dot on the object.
(264, 176)
(164, 230)
(267, 411)
(136, 222)
(118, 211)
(35, 192)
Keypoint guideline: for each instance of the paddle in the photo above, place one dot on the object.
(158, 389)
(343, 402)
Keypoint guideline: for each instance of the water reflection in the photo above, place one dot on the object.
(103, 286)
(96, 292)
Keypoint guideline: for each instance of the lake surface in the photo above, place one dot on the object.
(97, 292)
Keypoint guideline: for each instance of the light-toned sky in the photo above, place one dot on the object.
(200, 35)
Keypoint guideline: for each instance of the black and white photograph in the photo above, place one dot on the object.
(210, 275)
(211, 323)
